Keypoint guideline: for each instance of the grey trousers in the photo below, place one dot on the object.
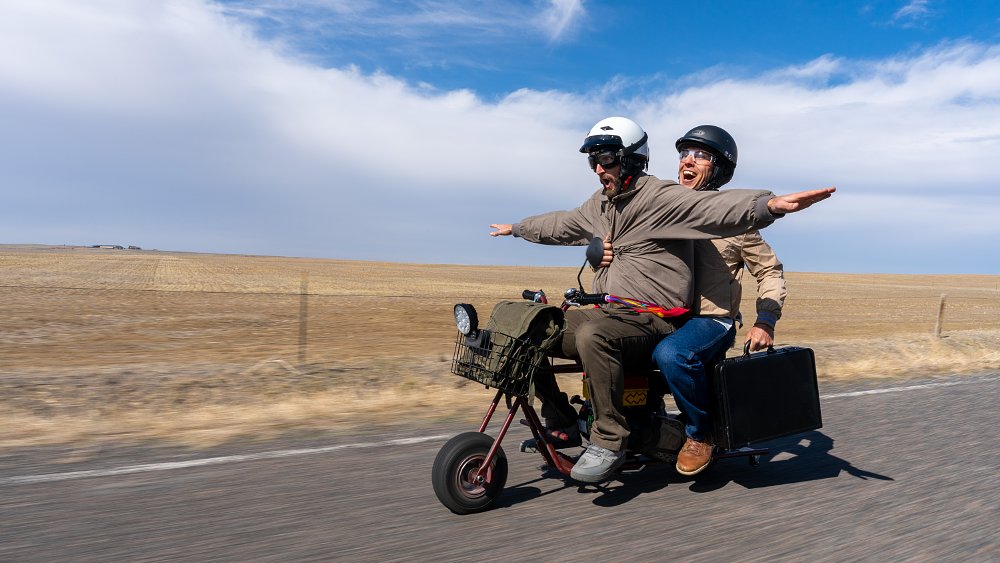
(607, 343)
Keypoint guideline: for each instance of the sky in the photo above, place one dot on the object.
(400, 130)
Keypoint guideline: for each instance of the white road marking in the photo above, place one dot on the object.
(909, 387)
(143, 468)
(49, 477)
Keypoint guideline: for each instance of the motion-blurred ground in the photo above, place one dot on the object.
(128, 345)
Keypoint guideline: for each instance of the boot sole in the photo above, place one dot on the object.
(693, 471)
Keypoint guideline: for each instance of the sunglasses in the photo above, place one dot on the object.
(607, 159)
(699, 156)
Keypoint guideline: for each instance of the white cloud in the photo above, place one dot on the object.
(470, 20)
(818, 70)
(898, 125)
(172, 125)
(911, 12)
(560, 16)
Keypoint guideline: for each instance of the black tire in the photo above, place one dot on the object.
(454, 465)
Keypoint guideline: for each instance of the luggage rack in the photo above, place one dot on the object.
(497, 360)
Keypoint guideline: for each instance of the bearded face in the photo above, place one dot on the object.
(612, 182)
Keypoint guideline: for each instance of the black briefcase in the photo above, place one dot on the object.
(765, 395)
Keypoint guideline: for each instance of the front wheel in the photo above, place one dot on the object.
(455, 469)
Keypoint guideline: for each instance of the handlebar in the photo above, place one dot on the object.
(536, 296)
(575, 296)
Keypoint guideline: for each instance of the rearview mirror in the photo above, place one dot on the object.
(595, 252)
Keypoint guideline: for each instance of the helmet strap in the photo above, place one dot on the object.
(710, 184)
(622, 185)
(721, 174)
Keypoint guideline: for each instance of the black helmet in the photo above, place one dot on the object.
(720, 143)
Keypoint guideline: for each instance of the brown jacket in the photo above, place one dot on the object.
(652, 227)
(718, 274)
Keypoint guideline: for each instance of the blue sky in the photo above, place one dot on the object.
(400, 130)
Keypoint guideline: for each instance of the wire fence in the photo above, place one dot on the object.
(988, 295)
(66, 326)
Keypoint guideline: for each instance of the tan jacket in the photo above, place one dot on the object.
(651, 226)
(719, 272)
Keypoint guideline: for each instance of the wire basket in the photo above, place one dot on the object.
(498, 360)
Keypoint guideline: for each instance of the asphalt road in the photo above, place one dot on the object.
(909, 474)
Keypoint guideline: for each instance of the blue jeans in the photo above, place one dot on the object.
(682, 358)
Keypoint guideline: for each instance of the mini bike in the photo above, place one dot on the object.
(470, 470)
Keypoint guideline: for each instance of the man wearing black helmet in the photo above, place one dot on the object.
(707, 161)
(650, 223)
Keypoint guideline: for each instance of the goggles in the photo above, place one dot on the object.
(699, 156)
(607, 159)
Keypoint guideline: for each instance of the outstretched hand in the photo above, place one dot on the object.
(798, 201)
(502, 229)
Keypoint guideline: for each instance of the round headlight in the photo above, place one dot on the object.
(466, 318)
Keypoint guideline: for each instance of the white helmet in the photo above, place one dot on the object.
(621, 133)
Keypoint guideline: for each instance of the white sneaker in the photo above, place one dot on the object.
(597, 464)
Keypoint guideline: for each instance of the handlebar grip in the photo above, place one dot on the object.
(591, 298)
(536, 296)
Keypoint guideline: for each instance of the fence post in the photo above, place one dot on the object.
(303, 316)
(940, 316)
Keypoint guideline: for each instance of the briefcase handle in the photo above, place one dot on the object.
(746, 349)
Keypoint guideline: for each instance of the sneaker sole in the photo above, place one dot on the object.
(598, 478)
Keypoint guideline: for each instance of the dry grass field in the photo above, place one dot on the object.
(123, 345)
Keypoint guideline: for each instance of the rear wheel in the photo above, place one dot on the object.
(456, 466)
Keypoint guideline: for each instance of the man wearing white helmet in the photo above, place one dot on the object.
(651, 224)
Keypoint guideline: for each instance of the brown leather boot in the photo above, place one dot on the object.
(694, 457)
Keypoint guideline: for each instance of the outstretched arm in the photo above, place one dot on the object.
(791, 203)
